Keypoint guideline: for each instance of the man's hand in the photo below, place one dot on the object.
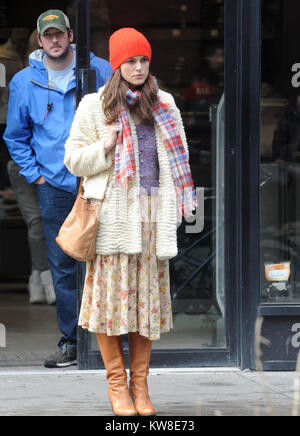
(40, 181)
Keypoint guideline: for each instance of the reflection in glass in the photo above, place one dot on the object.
(280, 154)
(280, 214)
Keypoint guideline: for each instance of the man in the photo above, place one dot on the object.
(40, 115)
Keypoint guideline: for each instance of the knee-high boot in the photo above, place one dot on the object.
(140, 353)
(112, 355)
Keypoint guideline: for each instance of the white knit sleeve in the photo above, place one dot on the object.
(84, 149)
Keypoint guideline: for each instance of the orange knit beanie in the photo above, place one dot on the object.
(125, 44)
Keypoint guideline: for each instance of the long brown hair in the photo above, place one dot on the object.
(114, 98)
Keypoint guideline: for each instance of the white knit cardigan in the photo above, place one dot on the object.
(120, 228)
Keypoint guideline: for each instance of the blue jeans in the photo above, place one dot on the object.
(55, 206)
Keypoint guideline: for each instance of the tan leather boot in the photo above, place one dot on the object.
(112, 355)
(140, 353)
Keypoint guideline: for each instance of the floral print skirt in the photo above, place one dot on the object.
(129, 293)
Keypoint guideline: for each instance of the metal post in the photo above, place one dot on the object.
(83, 68)
(242, 84)
(83, 47)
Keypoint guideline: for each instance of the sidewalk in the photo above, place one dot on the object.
(203, 392)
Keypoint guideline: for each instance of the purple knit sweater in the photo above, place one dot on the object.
(149, 167)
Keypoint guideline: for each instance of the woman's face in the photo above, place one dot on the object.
(136, 71)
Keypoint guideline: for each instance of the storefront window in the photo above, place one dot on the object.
(188, 59)
(187, 38)
(31, 331)
(280, 152)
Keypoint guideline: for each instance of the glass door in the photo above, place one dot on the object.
(280, 183)
(189, 37)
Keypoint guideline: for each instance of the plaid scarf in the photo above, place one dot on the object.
(125, 159)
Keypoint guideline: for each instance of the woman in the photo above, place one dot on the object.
(129, 138)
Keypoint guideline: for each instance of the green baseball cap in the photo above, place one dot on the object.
(52, 18)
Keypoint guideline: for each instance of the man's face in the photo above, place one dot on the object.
(55, 43)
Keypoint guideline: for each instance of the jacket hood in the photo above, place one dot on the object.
(37, 57)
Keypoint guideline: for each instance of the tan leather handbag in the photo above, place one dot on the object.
(77, 236)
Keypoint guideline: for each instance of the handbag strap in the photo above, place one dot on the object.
(80, 189)
(108, 180)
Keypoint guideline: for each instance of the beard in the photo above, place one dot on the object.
(62, 57)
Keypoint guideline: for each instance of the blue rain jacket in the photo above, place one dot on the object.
(35, 140)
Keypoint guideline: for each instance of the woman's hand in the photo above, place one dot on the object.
(111, 142)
